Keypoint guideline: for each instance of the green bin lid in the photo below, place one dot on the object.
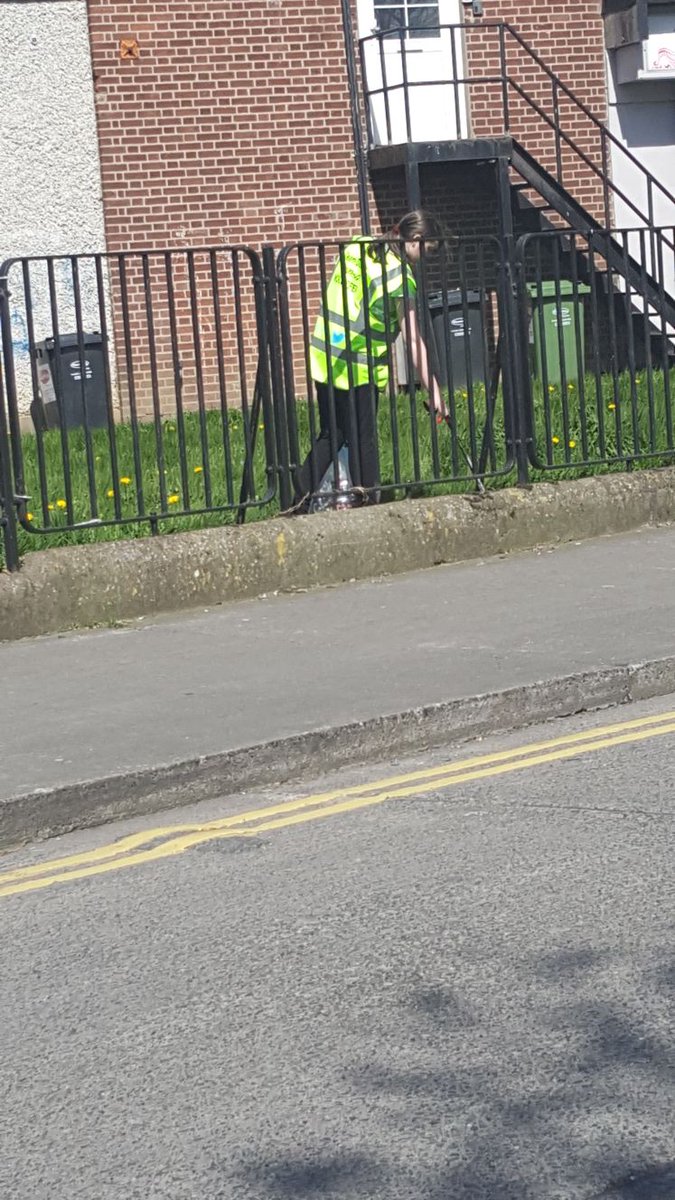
(547, 291)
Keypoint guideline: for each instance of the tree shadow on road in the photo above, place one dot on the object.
(570, 1097)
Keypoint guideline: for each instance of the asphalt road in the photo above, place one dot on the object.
(461, 991)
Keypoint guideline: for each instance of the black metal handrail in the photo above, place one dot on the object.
(507, 82)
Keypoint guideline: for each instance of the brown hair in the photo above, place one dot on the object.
(418, 224)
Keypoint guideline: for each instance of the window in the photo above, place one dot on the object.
(421, 17)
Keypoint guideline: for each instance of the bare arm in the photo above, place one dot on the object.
(412, 336)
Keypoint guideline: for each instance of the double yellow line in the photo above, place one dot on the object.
(152, 845)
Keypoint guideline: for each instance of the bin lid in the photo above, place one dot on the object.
(455, 299)
(547, 291)
(69, 340)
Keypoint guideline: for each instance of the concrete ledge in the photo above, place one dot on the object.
(82, 586)
(51, 812)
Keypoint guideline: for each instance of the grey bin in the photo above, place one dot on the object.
(464, 322)
(66, 385)
(457, 335)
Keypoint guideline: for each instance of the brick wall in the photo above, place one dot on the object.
(231, 126)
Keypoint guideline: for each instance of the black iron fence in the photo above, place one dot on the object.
(598, 351)
(174, 388)
(142, 380)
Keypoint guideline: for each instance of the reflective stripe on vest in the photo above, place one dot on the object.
(357, 344)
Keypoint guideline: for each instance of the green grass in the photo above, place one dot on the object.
(560, 440)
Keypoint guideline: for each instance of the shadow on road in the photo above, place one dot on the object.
(578, 1104)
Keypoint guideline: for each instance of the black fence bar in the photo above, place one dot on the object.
(10, 544)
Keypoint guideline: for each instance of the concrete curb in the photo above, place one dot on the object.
(80, 586)
(50, 812)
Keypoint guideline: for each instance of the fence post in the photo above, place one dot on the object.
(277, 377)
(7, 509)
(513, 345)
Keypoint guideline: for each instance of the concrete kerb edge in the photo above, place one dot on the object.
(49, 813)
(103, 583)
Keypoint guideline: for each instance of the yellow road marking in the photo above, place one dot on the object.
(178, 838)
(436, 774)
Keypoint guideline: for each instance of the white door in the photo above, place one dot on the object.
(427, 57)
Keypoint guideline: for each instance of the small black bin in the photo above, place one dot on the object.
(66, 383)
(465, 321)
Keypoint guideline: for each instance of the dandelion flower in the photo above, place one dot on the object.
(29, 516)
(571, 443)
(198, 470)
(125, 479)
(110, 493)
(50, 507)
(173, 499)
(570, 387)
(551, 387)
(555, 440)
(61, 504)
(611, 407)
(261, 426)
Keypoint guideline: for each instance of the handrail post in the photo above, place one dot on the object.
(504, 78)
(556, 122)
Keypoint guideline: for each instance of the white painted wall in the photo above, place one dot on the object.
(642, 117)
(50, 184)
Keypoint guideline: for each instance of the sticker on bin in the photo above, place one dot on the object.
(565, 315)
(76, 370)
(457, 327)
(46, 386)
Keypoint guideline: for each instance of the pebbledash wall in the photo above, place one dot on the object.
(50, 184)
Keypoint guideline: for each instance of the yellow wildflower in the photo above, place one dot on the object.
(551, 387)
(29, 516)
(50, 507)
(110, 493)
(61, 504)
(570, 387)
(555, 440)
(611, 407)
(173, 499)
(125, 479)
(198, 470)
(571, 443)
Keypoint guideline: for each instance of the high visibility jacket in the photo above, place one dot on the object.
(351, 340)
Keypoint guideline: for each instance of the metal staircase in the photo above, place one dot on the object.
(645, 286)
(539, 198)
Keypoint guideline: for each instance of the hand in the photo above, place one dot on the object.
(438, 403)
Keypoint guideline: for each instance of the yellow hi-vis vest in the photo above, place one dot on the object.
(352, 347)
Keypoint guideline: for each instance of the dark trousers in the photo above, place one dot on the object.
(355, 426)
